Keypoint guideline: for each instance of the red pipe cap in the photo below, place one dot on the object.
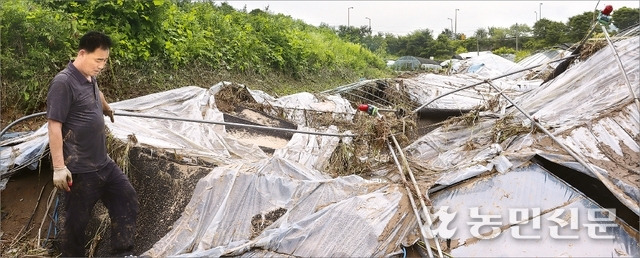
(607, 10)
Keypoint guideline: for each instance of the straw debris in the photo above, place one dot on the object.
(234, 95)
(590, 48)
(506, 127)
(468, 119)
(119, 150)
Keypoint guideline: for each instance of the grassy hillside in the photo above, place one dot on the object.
(162, 44)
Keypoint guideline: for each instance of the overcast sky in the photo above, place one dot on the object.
(404, 17)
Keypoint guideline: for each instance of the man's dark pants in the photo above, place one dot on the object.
(111, 186)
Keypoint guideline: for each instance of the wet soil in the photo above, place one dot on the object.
(22, 207)
(163, 183)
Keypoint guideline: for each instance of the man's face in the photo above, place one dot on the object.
(94, 62)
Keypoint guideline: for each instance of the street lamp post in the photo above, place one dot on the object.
(536, 15)
(456, 29)
(370, 31)
(540, 12)
(348, 14)
(451, 21)
(517, 29)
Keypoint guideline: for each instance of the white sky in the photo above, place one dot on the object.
(404, 17)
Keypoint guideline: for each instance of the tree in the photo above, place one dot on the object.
(395, 44)
(498, 32)
(625, 17)
(448, 32)
(481, 33)
(497, 35)
(578, 26)
(375, 42)
(551, 32)
(442, 47)
(519, 29)
(419, 43)
(353, 34)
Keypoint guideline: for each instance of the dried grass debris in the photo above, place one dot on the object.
(590, 48)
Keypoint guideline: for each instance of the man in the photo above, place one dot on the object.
(82, 168)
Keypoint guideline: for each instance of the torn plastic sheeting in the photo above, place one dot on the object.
(313, 151)
(166, 102)
(426, 87)
(577, 104)
(627, 189)
(585, 90)
(544, 57)
(607, 144)
(3, 183)
(523, 190)
(11, 135)
(258, 253)
(358, 224)
(23, 150)
(475, 67)
(492, 66)
(610, 149)
(446, 148)
(455, 176)
(217, 220)
(628, 119)
(614, 136)
(501, 164)
(295, 106)
(186, 138)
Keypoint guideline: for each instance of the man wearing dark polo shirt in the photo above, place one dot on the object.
(82, 168)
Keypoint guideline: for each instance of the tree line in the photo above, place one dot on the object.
(516, 38)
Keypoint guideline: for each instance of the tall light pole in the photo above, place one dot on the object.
(540, 12)
(348, 14)
(536, 15)
(456, 29)
(517, 29)
(370, 31)
(451, 20)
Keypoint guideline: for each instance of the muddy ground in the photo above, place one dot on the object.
(164, 186)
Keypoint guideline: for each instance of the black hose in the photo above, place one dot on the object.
(20, 120)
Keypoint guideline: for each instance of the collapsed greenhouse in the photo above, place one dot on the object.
(439, 167)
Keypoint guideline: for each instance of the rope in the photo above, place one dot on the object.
(119, 113)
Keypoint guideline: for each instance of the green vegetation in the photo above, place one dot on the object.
(164, 44)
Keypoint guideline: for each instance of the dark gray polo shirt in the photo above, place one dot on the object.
(75, 102)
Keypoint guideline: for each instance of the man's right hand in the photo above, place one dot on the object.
(62, 178)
